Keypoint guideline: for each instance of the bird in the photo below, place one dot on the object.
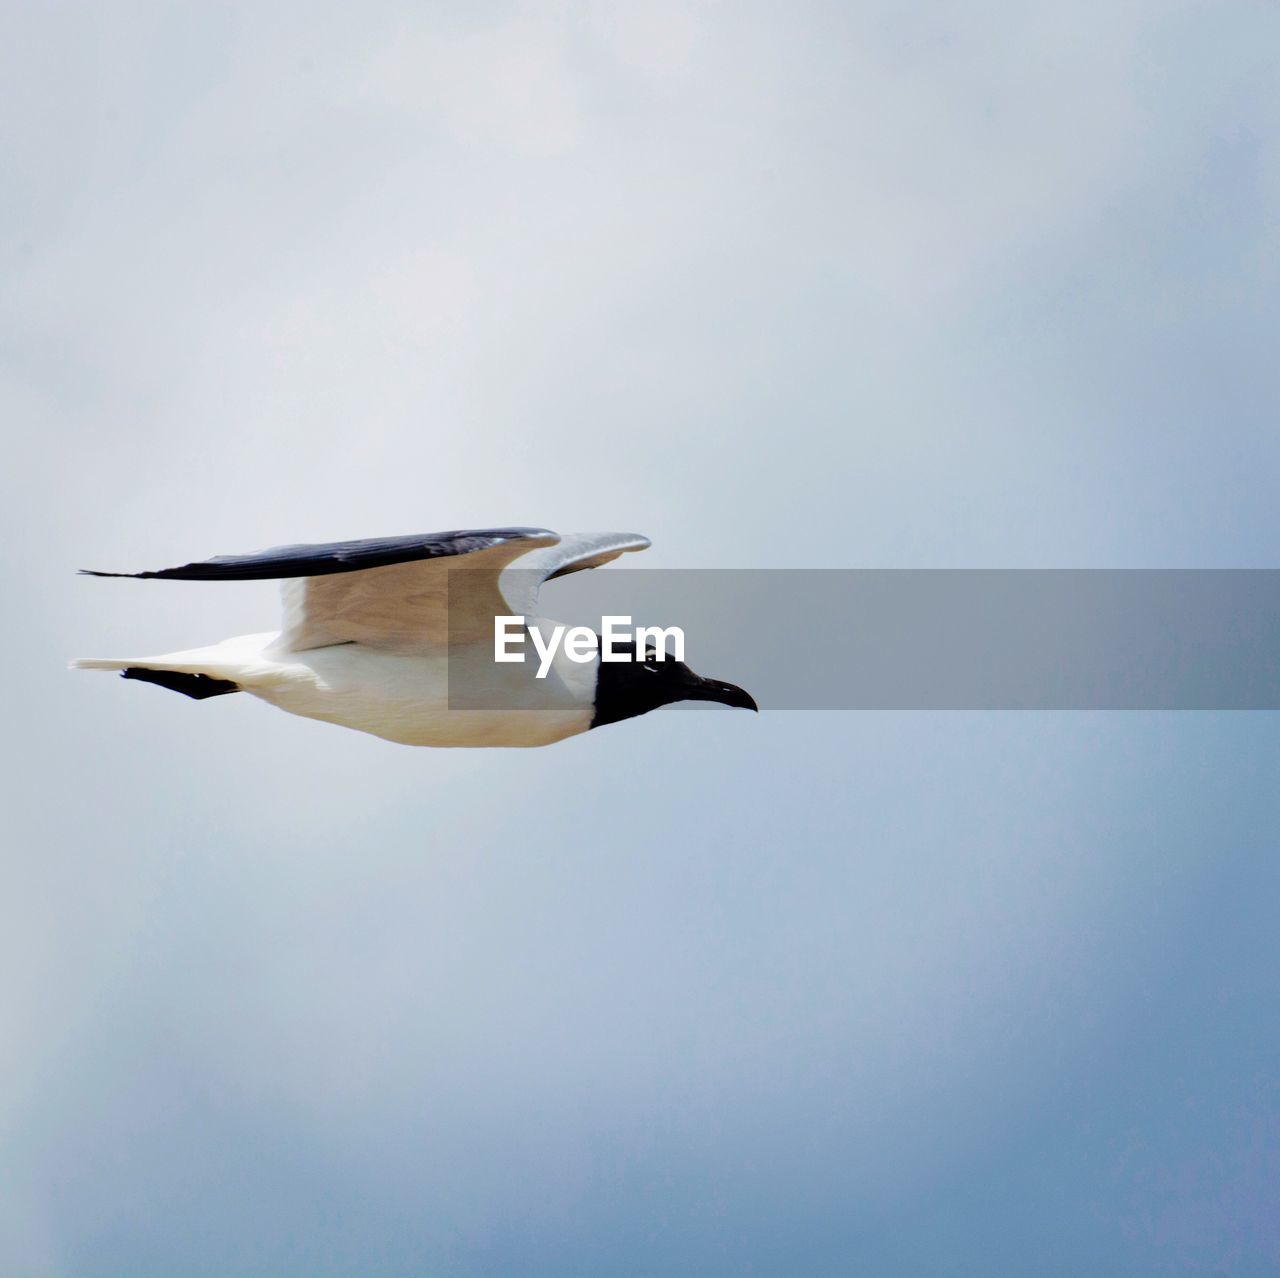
(395, 636)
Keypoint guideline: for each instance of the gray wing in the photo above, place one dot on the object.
(330, 557)
(440, 601)
(396, 592)
(573, 552)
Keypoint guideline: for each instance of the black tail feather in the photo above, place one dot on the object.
(198, 686)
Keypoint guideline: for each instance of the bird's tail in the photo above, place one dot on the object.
(187, 677)
(100, 663)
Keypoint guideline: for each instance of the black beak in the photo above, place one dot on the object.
(727, 694)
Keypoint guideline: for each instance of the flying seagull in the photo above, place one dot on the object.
(377, 632)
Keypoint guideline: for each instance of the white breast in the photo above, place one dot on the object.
(405, 696)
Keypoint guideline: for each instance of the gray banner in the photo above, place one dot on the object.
(980, 639)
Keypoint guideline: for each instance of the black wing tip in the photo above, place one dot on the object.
(199, 687)
(333, 557)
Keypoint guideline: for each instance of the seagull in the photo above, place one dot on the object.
(377, 633)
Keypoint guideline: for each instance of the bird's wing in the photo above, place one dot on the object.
(521, 581)
(394, 592)
(387, 592)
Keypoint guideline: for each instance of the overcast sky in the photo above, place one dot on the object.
(814, 285)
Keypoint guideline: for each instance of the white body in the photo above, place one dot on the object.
(402, 696)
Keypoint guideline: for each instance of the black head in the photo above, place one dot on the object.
(625, 689)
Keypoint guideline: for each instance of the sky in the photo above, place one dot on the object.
(807, 286)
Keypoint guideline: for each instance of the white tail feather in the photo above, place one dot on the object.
(227, 660)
